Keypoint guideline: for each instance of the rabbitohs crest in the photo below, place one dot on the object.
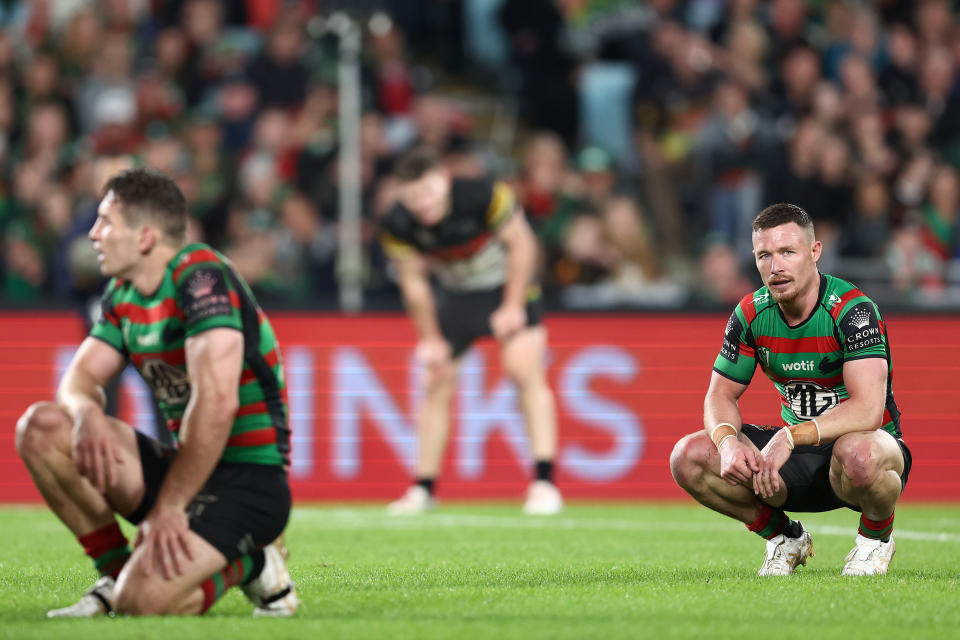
(763, 356)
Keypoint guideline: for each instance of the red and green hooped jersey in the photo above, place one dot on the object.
(805, 362)
(201, 291)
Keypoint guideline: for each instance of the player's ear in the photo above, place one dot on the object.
(147, 238)
(816, 249)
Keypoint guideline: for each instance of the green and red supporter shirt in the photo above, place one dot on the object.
(805, 362)
(200, 291)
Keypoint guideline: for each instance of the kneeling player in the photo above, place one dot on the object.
(208, 510)
(824, 345)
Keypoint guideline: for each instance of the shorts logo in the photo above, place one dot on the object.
(809, 400)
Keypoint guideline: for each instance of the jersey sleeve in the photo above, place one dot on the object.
(107, 327)
(863, 332)
(394, 245)
(502, 205)
(737, 357)
(208, 298)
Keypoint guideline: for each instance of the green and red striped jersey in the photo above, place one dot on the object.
(805, 362)
(200, 291)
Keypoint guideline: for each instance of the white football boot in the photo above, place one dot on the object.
(869, 557)
(784, 554)
(97, 601)
(414, 501)
(273, 591)
(543, 499)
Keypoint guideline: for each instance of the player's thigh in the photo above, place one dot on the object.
(523, 356)
(141, 594)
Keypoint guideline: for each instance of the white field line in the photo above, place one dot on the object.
(366, 519)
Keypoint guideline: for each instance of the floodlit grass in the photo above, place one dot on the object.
(487, 571)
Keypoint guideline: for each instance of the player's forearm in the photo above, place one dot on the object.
(419, 301)
(521, 258)
(849, 417)
(718, 410)
(78, 393)
(205, 430)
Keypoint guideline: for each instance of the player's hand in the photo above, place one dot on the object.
(507, 320)
(738, 463)
(767, 482)
(163, 534)
(95, 451)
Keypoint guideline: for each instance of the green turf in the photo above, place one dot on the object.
(486, 571)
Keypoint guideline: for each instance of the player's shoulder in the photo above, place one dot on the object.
(193, 256)
(840, 297)
(472, 196)
(755, 303)
(397, 221)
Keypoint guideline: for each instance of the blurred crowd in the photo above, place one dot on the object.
(646, 135)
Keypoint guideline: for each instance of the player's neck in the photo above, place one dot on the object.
(799, 309)
(148, 274)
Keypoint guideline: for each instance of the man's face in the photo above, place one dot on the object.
(426, 197)
(116, 243)
(786, 258)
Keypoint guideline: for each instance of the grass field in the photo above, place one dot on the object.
(486, 571)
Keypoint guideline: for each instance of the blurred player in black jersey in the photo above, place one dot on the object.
(473, 236)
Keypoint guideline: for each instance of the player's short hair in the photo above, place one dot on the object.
(414, 164)
(149, 195)
(783, 213)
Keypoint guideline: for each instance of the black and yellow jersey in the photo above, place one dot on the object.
(463, 247)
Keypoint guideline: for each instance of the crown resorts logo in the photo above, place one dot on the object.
(201, 284)
(860, 318)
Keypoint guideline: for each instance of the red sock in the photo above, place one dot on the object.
(108, 549)
(239, 571)
(770, 523)
(876, 529)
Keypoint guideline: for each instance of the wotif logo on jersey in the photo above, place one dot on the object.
(803, 365)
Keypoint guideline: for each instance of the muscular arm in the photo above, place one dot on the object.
(81, 394)
(738, 462)
(93, 366)
(720, 403)
(866, 382)
(417, 294)
(214, 362)
(521, 245)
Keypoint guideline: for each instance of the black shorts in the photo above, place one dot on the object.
(465, 316)
(807, 472)
(240, 508)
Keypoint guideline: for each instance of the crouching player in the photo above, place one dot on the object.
(208, 510)
(824, 345)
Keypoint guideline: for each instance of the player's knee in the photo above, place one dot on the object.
(134, 601)
(37, 426)
(441, 380)
(859, 460)
(690, 458)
